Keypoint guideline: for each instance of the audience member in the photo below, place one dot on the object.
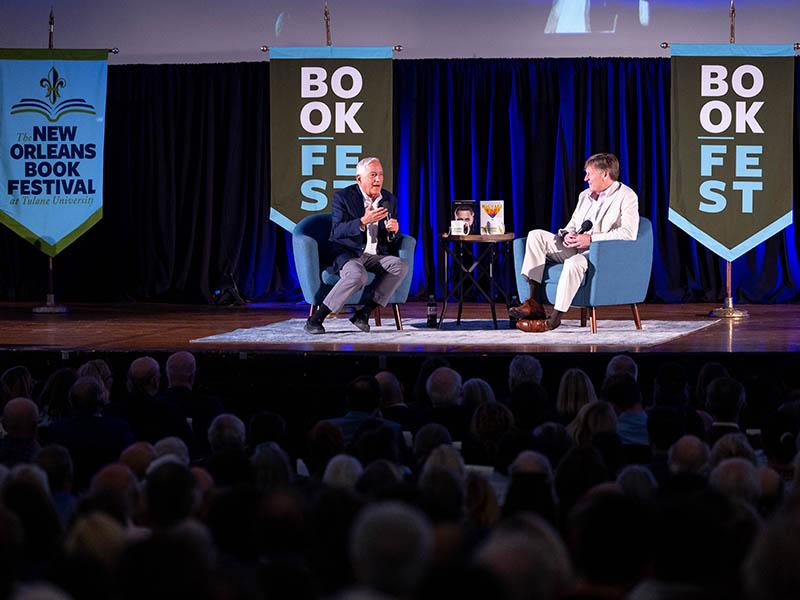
(343, 472)
(623, 393)
(53, 400)
(574, 392)
(724, 400)
(444, 391)
(689, 455)
(56, 462)
(594, 418)
(137, 457)
(732, 445)
(18, 382)
(20, 420)
(622, 364)
(524, 369)
(392, 402)
(736, 478)
(363, 400)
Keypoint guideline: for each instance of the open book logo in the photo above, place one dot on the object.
(53, 109)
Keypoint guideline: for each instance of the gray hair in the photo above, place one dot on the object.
(732, 445)
(622, 364)
(181, 368)
(173, 446)
(688, 455)
(391, 544)
(361, 167)
(343, 471)
(531, 462)
(524, 369)
(736, 478)
(477, 391)
(226, 430)
(638, 482)
(448, 458)
(444, 387)
(532, 563)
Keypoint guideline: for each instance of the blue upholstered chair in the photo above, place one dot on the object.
(313, 254)
(619, 273)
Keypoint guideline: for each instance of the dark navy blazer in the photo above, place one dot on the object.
(346, 235)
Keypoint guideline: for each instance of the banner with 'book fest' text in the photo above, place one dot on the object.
(329, 108)
(52, 123)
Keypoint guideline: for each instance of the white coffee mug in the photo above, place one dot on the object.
(458, 228)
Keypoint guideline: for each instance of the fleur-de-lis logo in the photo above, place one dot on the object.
(53, 84)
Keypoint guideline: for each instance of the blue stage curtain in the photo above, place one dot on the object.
(187, 178)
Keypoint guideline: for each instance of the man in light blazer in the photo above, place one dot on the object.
(365, 232)
(607, 210)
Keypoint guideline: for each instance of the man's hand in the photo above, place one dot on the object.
(373, 215)
(392, 226)
(579, 241)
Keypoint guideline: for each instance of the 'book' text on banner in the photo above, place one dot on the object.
(731, 177)
(329, 108)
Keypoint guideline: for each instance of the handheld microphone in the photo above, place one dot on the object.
(585, 226)
(389, 234)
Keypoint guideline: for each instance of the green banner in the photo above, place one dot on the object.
(731, 172)
(329, 108)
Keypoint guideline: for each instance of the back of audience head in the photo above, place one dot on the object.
(374, 440)
(671, 385)
(574, 391)
(428, 366)
(481, 505)
(428, 437)
(325, 440)
(477, 392)
(770, 570)
(266, 426)
(390, 389)
(54, 397)
(532, 563)
(448, 458)
(173, 446)
(732, 445)
(490, 422)
(578, 472)
(524, 369)
(665, 426)
(98, 368)
(56, 461)
(170, 491)
(622, 364)
(444, 387)
(96, 537)
(622, 392)
(736, 478)
(343, 472)
(595, 417)
(441, 494)
(689, 454)
(138, 457)
(144, 376)
(637, 481)
(271, 466)
(379, 479)
(530, 462)
(363, 394)
(553, 440)
(226, 432)
(609, 537)
(181, 369)
(115, 490)
(708, 373)
(725, 399)
(390, 546)
(18, 382)
(21, 418)
(87, 396)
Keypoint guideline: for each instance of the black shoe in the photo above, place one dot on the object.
(361, 321)
(313, 326)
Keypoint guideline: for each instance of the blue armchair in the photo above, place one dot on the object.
(313, 254)
(619, 273)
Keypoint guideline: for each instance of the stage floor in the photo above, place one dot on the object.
(165, 328)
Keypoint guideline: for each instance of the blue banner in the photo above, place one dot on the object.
(52, 124)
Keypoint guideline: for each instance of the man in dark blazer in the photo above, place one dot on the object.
(365, 231)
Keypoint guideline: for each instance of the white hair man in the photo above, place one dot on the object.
(364, 233)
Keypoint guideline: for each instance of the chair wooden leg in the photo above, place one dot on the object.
(636, 318)
(594, 320)
(398, 321)
(583, 317)
(377, 313)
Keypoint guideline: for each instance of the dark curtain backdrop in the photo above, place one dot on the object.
(187, 177)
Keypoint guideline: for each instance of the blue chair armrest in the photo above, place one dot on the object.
(622, 271)
(408, 246)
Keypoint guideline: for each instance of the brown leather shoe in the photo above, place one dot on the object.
(533, 325)
(530, 309)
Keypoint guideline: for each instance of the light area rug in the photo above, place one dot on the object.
(469, 332)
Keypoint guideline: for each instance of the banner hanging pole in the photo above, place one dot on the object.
(50, 307)
(728, 311)
(326, 15)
